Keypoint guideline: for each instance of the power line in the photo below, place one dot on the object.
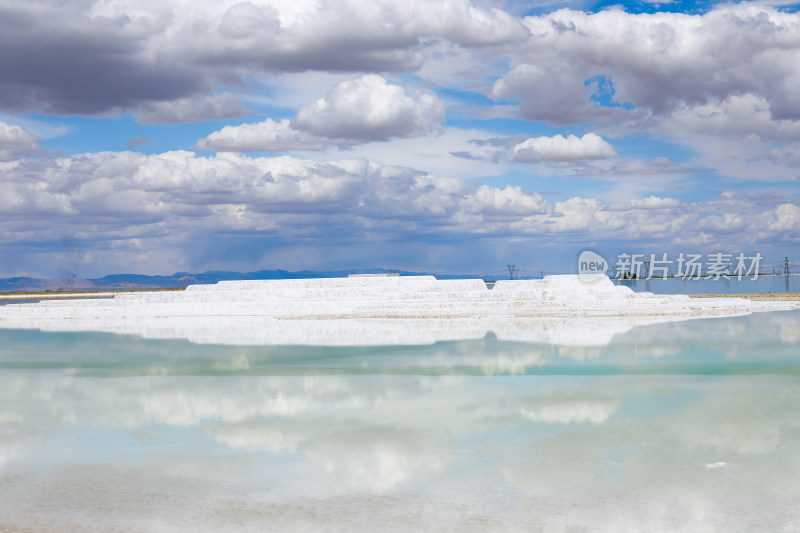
(513, 272)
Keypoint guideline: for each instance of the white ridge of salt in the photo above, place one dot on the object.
(378, 311)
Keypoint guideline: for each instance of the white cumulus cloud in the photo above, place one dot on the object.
(370, 109)
(179, 206)
(559, 148)
(352, 112)
(266, 136)
(657, 63)
(16, 142)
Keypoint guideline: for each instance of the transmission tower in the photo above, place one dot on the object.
(513, 272)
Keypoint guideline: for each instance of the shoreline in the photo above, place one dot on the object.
(756, 297)
(77, 295)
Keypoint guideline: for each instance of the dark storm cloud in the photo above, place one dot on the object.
(86, 58)
(58, 60)
(136, 142)
(183, 110)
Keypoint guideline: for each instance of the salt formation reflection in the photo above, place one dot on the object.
(683, 426)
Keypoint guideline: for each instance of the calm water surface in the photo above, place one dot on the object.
(776, 284)
(688, 426)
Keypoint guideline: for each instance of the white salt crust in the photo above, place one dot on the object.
(378, 311)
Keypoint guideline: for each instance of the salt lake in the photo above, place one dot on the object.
(680, 426)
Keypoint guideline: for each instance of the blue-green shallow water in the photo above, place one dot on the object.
(688, 426)
(776, 284)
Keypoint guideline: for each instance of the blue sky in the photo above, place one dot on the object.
(455, 136)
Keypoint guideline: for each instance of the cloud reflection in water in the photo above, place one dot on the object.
(103, 431)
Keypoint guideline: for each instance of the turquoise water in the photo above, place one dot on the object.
(776, 284)
(686, 426)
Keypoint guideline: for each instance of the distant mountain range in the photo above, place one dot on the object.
(181, 279)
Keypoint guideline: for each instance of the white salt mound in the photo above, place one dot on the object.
(378, 310)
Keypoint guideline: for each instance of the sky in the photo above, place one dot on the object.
(450, 136)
